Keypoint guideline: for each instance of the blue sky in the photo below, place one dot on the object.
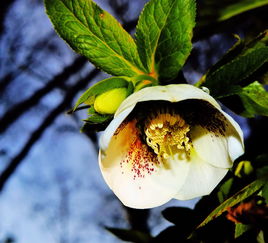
(58, 193)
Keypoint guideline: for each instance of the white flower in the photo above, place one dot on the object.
(168, 142)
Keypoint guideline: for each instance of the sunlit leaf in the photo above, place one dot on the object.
(95, 34)
(164, 33)
(237, 198)
(255, 100)
(241, 229)
(240, 7)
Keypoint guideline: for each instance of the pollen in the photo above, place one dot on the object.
(167, 134)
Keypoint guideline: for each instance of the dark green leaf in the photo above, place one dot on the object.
(241, 229)
(98, 118)
(177, 215)
(164, 33)
(235, 71)
(236, 66)
(96, 122)
(255, 100)
(240, 7)
(95, 34)
(217, 11)
(235, 50)
(265, 192)
(237, 198)
(224, 190)
(170, 234)
(130, 235)
(262, 172)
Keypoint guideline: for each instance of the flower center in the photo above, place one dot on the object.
(167, 134)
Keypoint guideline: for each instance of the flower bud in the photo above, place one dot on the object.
(109, 101)
(244, 168)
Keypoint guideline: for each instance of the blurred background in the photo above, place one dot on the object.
(51, 189)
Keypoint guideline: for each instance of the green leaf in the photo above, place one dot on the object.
(89, 127)
(255, 100)
(130, 235)
(225, 190)
(235, 50)
(95, 121)
(240, 7)
(177, 215)
(98, 118)
(260, 237)
(241, 229)
(265, 192)
(237, 198)
(101, 87)
(211, 11)
(95, 34)
(164, 34)
(232, 73)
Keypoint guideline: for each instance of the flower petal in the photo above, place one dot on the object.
(172, 93)
(234, 137)
(201, 179)
(210, 147)
(114, 124)
(152, 186)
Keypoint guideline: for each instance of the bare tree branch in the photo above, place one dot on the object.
(66, 103)
(17, 110)
(4, 6)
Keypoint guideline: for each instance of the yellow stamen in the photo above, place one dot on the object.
(167, 134)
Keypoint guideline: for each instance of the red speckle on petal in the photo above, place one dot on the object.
(141, 158)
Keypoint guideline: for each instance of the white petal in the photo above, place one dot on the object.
(114, 124)
(211, 148)
(172, 93)
(154, 189)
(202, 178)
(219, 150)
(235, 138)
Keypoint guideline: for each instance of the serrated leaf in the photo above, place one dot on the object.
(232, 73)
(164, 33)
(237, 198)
(255, 100)
(101, 87)
(130, 235)
(241, 229)
(235, 50)
(95, 34)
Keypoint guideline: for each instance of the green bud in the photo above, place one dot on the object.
(109, 101)
(244, 168)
